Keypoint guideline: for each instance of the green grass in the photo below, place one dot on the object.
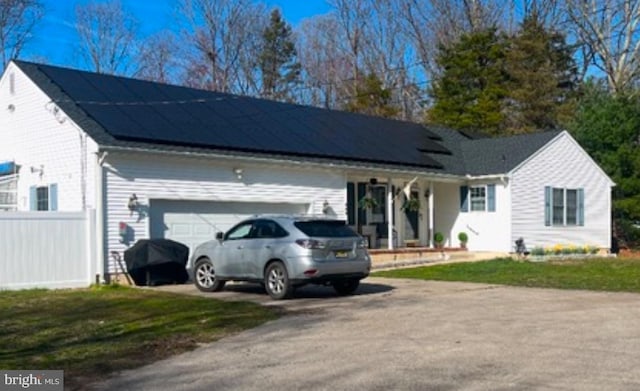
(607, 274)
(91, 332)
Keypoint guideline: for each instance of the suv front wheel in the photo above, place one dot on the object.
(276, 281)
(205, 277)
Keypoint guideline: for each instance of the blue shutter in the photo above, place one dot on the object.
(351, 213)
(33, 198)
(581, 207)
(53, 196)
(547, 206)
(464, 198)
(362, 213)
(491, 198)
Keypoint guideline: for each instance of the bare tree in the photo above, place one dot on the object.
(224, 39)
(430, 23)
(157, 58)
(325, 64)
(610, 33)
(107, 36)
(17, 19)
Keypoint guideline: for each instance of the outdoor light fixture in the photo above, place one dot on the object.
(133, 203)
(238, 172)
(326, 207)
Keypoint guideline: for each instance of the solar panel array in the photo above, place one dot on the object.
(135, 110)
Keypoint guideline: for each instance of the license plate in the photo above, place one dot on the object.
(342, 254)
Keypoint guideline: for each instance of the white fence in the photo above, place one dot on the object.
(47, 249)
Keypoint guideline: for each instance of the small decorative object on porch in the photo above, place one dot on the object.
(438, 239)
(463, 238)
(367, 203)
(412, 205)
(521, 249)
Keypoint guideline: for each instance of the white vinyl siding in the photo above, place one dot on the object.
(47, 146)
(562, 164)
(161, 177)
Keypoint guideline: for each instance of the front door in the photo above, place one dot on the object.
(411, 230)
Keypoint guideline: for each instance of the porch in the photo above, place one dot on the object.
(401, 212)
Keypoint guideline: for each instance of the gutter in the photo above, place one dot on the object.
(323, 165)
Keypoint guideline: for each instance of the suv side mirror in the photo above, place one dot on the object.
(219, 235)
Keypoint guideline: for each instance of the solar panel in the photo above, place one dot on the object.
(131, 109)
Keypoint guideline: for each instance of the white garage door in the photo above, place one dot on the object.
(195, 222)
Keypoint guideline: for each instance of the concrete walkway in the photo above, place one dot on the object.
(416, 335)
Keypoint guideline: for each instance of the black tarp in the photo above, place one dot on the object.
(157, 261)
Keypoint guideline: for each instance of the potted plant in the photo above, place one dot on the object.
(412, 205)
(438, 239)
(367, 203)
(463, 238)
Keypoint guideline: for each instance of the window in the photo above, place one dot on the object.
(42, 198)
(564, 207)
(572, 207)
(558, 206)
(325, 228)
(240, 231)
(478, 198)
(268, 229)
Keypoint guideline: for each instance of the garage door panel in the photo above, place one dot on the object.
(195, 222)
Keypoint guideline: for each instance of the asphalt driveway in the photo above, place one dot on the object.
(416, 335)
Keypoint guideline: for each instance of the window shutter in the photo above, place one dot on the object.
(491, 198)
(464, 198)
(362, 214)
(351, 213)
(547, 206)
(33, 198)
(53, 196)
(581, 207)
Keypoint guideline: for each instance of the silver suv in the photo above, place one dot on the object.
(282, 252)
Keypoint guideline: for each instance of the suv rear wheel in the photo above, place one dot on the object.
(205, 277)
(276, 281)
(346, 287)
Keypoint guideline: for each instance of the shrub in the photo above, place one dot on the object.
(463, 237)
(537, 251)
(438, 238)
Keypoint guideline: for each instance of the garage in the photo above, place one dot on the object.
(195, 222)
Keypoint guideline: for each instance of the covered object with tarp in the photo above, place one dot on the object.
(157, 261)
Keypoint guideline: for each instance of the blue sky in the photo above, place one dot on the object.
(55, 39)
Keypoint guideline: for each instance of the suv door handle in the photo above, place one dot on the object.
(267, 246)
(240, 247)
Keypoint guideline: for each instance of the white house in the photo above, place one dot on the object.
(156, 160)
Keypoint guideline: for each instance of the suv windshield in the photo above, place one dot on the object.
(325, 228)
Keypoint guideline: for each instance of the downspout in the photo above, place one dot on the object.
(431, 215)
(389, 215)
(101, 250)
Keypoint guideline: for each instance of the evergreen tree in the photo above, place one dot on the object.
(542, 79)
(608, 127)
(278, 60)
(372, 98)
(469, 91)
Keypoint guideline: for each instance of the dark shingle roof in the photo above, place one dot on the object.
(123, 112)
(501, 155)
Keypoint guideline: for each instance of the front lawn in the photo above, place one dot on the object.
(91, 332)
(606, 274)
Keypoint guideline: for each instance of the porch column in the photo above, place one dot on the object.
(431, 214)
(389, 215)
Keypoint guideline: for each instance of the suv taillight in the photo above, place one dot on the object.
(310, 244)
(362, 243)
